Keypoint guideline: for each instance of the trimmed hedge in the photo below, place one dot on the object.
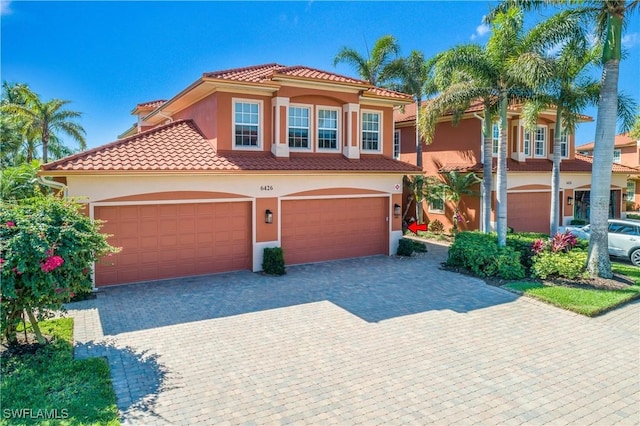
(479, 253)
(273, 261)
(407, 246)
(561, 264)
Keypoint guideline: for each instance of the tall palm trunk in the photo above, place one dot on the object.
(598, 262)
(418, 141)
(487, 171)
(45, 144)
(555, 175)
(501, 199)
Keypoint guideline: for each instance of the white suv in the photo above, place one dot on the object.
(624, 238)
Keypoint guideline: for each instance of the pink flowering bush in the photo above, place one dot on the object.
(554, 257)
(47, 248)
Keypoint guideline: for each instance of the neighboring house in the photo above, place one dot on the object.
(626, 151)
(529, 167)
(241, 160)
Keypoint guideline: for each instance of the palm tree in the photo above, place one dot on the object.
(414, 75)
(458, 90)
(497, 74)
(609, 18)
(454, 186)
(635, 130)
(569, 90)
(43, 120)
(373, 67)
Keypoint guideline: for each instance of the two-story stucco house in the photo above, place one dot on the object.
(240, 160)
(529, 167)
(626, 151)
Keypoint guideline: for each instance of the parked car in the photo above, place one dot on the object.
(624, 238)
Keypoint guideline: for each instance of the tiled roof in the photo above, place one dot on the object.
(621, 140)
(151, 104)
(179, 146)
(581, 163)
(409, 112)
(267, 72)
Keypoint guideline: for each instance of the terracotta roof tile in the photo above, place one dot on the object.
(621, 140)
(581, 163)
(267, 72)
(151, 104)
(180, 146)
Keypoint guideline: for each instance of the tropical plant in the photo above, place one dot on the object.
(375, 66)
(42, 121)
(500, 71)
(21, 182)
(47, 248)
(417, 185)
(608, 18)
(452, 187)
(414, 75)
(569, 90)
(635, 130)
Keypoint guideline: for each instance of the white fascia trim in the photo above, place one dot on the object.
(187, 201)
(330, 197)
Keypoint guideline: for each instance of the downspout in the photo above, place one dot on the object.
(55, 185)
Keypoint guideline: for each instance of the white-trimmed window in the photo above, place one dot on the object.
(371, 124)
(539, 142)
(631, 190)
(564, 145)
(527, 144)
(436, 205)
(299, 127)
(246, 123)
(495, 139)
(328, 128)
(617, 156)
(396, 144)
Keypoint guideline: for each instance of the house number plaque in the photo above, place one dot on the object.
(266, 188)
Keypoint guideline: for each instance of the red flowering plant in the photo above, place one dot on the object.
(556, 244)
(47, 248)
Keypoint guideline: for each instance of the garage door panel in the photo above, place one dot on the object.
(166, 241)
(529, 211)
(327, 229)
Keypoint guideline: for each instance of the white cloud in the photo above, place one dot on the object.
(5, 7)
(630, 40)
(481, 30)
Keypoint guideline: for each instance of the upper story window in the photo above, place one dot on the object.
(371, 131)
(246, 121)
(539, 142)
(617, 155)
(396, 144)
(299, 127)
(564, 145)
(631, 190)
(328, 128)
(495, 139)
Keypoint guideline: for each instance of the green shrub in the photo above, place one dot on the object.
(561, 264)
(480, 255)
(522, 242)
(633, 216)
(405, 247)
(436, 227)
(273, 261)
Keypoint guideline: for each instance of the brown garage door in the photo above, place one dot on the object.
(529, 211)
(174, 240)
(318, 230)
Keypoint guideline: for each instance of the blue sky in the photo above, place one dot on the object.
(108, 56)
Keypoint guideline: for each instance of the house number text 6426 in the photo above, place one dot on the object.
(266, 188)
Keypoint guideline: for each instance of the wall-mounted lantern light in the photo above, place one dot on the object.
(570, 201)
(397, 210)
(268, 216)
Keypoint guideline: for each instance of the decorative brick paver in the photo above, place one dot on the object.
(380, 340)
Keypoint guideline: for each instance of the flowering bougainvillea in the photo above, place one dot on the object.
(47, 247)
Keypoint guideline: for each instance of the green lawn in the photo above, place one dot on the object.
(50, 383)
(590, 302)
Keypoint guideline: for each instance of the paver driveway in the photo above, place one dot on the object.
(380, 340)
